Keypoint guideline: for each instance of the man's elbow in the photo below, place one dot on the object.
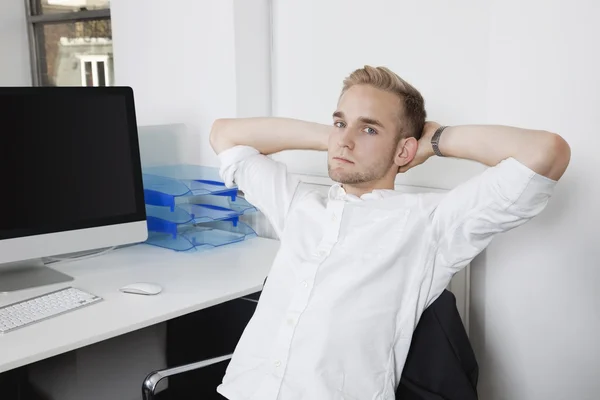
(218, 138)
(556, 156)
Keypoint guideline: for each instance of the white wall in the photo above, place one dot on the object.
(534, 315)
(179, 57)
(14, 46)
(252, 20)
(188, 65)
(535, 293)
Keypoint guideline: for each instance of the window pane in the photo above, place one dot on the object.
(101, 77)
(61, 6)
(89, 77)
(64, 50)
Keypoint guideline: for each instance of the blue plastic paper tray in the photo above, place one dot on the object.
(239, 204)
(202, 237)
(162, 185)
(162, 219)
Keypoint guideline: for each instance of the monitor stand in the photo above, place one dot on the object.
(28, 274)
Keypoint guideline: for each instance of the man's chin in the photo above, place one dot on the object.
(341, 179)
(343, 176)
(335, 179)
(335, 176)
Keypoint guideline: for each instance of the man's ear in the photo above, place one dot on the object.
(406, 151)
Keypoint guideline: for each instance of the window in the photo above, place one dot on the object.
(94, 71)
(71, 42)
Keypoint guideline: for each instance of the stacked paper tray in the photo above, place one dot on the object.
(192, 237)
(166, 191)
(182, 202)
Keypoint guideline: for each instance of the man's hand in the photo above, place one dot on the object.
(424, 148)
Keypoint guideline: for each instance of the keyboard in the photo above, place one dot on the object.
(36, 309)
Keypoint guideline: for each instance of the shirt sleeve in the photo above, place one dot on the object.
(266, 183)
(500, 199)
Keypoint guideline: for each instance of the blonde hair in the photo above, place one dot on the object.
(413, 116)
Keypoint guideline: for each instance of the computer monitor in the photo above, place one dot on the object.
(71, 177)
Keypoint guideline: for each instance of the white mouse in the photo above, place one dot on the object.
(142, 288)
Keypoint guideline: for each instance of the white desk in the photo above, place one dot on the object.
(190, 281)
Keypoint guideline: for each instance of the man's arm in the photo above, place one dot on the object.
(269, 135)
(525, 166)
(543, 152)
(242, 146)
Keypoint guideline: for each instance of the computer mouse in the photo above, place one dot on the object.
(142, 288)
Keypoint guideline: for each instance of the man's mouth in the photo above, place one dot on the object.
(343, 160)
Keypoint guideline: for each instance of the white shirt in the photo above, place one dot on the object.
(353, 275)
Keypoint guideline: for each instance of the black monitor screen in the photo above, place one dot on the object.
(69, 159)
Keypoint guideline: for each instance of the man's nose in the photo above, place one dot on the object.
(346, 138)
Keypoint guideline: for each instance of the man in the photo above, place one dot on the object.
(357, 267)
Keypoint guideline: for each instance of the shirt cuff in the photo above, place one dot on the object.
(229, 159)
(528, 186)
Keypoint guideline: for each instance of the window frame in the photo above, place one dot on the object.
(36, 20)
(94, 60)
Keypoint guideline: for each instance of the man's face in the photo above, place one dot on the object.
(364, 142)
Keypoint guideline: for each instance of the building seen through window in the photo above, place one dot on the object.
(72, 42)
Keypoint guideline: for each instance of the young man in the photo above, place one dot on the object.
(357, 267)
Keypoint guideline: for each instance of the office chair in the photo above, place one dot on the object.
(440, 364)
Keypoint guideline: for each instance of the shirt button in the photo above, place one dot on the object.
(333, 218)
(305, 284)
(278, 363)
(290, 321)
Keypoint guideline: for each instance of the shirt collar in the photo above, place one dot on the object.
(337, 192)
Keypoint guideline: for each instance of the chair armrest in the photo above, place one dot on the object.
(152, 380)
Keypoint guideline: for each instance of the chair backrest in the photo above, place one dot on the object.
(441, 364)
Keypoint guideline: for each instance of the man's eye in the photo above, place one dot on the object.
(370, 130)
(338, 124)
